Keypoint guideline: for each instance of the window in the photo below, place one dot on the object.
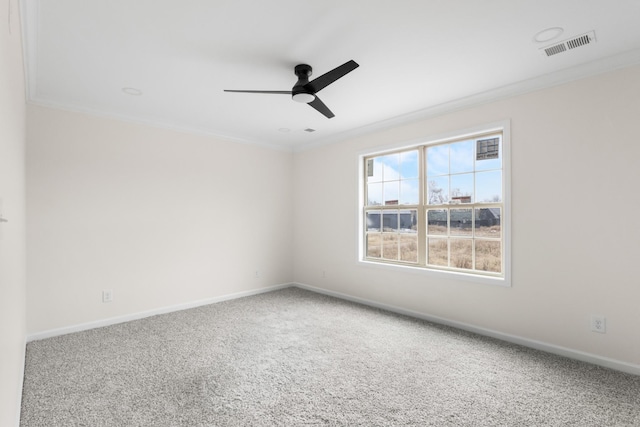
(438, 206)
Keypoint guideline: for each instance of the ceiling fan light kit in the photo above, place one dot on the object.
(304, 91)
(303, 97)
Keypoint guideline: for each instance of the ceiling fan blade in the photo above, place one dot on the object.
(326, 79)
(319, 105)
(283, 92)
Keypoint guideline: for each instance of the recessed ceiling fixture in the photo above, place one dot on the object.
(284, 130)
(548, 34)
(132, 91)
(309, 130)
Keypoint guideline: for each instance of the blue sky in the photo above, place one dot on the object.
(449, 166)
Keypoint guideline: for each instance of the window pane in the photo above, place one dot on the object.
(374, 194)
(437, 221)
(461, 156)
(390, 246)
(488, 256)
(462, 188)
(373, 220)
(489, 186)
(438, 190)
(460, 222)
(409, 190)
(438, 160)
(409, 247)
(391, 168)
(374, 245)
(409, 221)
(438, 252)
(489, 153)
(409, 235)
(374, 169)
(390, 221)
(391, 192)
(461, 253)
(488, 222)
(409, 164)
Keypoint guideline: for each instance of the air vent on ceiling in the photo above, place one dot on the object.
(566, 45)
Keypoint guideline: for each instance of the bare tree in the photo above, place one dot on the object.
(437, 196)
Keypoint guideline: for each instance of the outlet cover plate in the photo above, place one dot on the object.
(107, 295)
(599, 324)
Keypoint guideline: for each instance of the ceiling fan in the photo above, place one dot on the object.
(305, 90)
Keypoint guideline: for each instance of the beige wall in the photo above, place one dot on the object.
(160, 217)
(12, 199)
(575, 235)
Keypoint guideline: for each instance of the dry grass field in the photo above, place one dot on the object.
(404, 247)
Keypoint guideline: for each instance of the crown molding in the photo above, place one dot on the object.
(30, 23)
(558, 78)
(160, 124)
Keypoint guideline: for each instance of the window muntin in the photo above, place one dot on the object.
(473, 239)
(392, 234)
(453, 193)
(393, 179)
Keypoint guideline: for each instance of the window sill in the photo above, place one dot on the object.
(441, 274)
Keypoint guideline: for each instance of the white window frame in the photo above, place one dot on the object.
(505, 279)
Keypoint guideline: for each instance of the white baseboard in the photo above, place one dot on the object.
(538, 345)
(140, 315)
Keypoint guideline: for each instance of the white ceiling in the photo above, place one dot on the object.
(417, 58)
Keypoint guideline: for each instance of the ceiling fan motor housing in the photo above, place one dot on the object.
(299, 92)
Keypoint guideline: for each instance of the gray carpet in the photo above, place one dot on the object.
(296, 358)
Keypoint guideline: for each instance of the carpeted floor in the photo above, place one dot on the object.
(296, 358)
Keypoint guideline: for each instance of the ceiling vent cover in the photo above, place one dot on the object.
(566, 45)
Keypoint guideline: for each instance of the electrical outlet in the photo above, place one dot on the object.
(324, 274)
(107, 295)
(599, 324)
(257, 275)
